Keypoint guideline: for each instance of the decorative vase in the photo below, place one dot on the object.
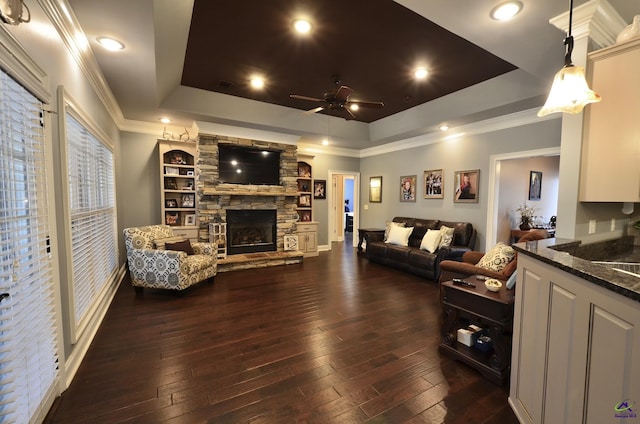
(631, 31)
(525, 224)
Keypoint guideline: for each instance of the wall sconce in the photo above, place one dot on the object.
(11, 12)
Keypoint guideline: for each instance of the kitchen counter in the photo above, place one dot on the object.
(564, 254)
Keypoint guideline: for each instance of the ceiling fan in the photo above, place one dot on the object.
(338, 100)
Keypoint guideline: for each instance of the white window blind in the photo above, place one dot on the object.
(93, 216)
(28, 335)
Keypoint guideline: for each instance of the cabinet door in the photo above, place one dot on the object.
(611, 139)
(302, 242)
(312, 242)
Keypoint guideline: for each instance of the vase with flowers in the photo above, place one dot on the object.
(527, 213)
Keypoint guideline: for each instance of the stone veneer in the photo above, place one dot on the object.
(215, 197)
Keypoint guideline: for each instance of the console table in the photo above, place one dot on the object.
(363, 231)
(463, 306)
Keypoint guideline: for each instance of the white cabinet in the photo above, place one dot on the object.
(576, 348)
(178, 195)
(308, 238)
(611, 137)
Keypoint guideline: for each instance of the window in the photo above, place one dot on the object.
(28, 334)
(92, 212)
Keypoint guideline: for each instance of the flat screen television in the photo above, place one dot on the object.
(248, 165)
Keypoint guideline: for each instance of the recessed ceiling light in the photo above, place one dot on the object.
(421, 73)
(165, 120)
(444, 127)
(354, 106)
(325, 142)
(110, 43)
(507, 10)
(302, 26)
(257, 82)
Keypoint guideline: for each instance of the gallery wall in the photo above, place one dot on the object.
(470, 152)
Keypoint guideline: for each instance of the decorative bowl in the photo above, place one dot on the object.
(493, 285)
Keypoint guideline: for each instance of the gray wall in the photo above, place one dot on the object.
(464, 153)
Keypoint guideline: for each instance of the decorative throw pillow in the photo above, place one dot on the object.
(431, 241)
(399, 235)
(447, 236)
(182, 246)
(497, 258)
(388, 228)
(160, 243)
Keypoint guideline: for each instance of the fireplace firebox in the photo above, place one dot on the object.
(251, 230)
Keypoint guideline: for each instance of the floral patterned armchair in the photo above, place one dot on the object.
(152, 267)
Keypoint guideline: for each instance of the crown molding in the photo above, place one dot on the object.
(596, 19)
(517, 119)
(64, 20)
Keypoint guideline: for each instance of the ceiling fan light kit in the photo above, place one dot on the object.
(570, 92)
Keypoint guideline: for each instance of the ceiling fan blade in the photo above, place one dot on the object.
(343, 93)
(309, 112)
(350, 115)
(375, 105)
(313, 99)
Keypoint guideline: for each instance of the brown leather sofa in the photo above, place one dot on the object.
(466, 267)
(411, 258)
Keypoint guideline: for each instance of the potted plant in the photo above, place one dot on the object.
(527, 213)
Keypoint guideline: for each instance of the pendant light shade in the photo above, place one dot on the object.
(570, 92)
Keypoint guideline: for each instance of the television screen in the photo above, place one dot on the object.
(248, 165)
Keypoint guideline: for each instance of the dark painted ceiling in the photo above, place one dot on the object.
(371, 46)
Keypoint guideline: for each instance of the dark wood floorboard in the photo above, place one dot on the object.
(335, 339)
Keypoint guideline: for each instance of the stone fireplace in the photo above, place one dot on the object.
(216, 198)
(250, 231)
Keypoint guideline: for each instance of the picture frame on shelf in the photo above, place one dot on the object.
(304, 171)
(375, 189)
(190, 220)
(170, 184)
(304, 200)
(433, 184)
(171, 218)
(408, 188)
(171, 170)
(178, 158)
(305, 216)
(188, 185)
(320, 189)
(188, 200)
(170, 203)
(466, 186)
(535, 185)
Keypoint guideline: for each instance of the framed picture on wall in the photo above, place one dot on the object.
(466, 186)
(319, 189)
(433, 184)
(375, 189)
(535, 185)
(408, 188)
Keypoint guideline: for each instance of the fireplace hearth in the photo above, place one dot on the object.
(251, 230)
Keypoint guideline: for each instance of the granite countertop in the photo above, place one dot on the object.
(561, 253)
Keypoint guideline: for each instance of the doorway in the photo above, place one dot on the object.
(495, 218)
(343, 186)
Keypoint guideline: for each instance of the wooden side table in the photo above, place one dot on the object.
(463, 306)
(363, 231)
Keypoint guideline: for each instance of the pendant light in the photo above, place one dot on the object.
(569, 91)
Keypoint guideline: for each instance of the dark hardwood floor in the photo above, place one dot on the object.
(333, 340)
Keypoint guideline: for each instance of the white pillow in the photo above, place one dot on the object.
(431, 241)
(399, 235)
(390, 224)
(497, 258)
